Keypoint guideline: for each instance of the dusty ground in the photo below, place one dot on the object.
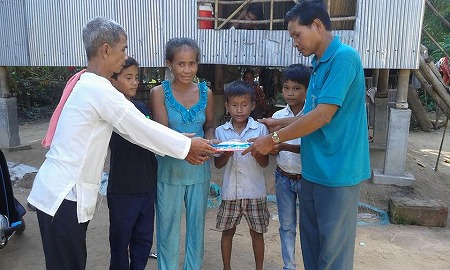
(377, 246)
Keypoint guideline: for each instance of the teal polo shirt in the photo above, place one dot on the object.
(337, 154)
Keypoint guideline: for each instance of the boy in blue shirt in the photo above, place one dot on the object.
(287, 175)
(243, 187)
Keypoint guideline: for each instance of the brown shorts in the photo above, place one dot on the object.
(254, 210)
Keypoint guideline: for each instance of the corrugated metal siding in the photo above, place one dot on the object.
(13, 37)
(54, 29)
(387, 33)
(142, 19)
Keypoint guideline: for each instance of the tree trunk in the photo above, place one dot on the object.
(4, 88)
(418, 110)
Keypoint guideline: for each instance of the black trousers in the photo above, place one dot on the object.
(131, 224)
(63, 238)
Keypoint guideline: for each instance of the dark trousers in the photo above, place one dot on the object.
(131, 225)
(63, 238)
(328, 225)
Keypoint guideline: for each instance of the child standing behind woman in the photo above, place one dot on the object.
(186, 107)
(243, 187)
(287, 175)
(131, 187)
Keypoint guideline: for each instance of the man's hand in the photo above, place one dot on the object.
(200, 151)
(261, 145)
(274, 124)
(271, 123)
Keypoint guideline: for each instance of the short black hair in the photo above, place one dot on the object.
(251, 71)
(239, 88)
(257, 10)
(306, 11)
(128, 63)
(297, 73)
(174, 44)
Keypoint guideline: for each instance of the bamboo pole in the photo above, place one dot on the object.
(442, 142)
(271, 15)
(216, 13)
(434, 81)
(429, 89)
(234, 13)
(217, 19)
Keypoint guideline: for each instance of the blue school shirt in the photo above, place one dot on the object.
(338, 153)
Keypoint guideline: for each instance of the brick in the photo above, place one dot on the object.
(421, 212)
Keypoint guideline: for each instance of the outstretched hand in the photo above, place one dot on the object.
(261, 145)
(271, 123)
(200, 151)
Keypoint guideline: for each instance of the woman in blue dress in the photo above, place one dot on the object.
(186, 107)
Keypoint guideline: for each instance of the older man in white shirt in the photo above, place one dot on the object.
(66, 186)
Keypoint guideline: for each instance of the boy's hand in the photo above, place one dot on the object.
(276, 149)
(227, 154)
(214, 141)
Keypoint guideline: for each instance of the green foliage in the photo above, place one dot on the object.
(38, 89)
(437, 29)
(427, 102)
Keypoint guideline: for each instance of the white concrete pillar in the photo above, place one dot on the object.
(393, 172)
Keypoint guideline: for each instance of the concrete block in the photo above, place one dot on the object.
(380, 178)
(397, 142)
(425, 212)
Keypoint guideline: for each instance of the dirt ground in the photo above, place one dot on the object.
(377, 246)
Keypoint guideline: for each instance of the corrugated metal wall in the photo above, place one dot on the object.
(389, 33)
(48, 33)
(13, 34)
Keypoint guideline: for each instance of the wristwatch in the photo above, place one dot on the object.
(275, 137)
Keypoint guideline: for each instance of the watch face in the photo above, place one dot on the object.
(275, 137)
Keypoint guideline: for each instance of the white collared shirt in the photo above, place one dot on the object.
(288, 161)
(77, 154)
(243, 177)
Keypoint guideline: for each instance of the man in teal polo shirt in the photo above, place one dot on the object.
(335, 146)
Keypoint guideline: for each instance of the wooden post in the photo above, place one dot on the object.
(418, 110)
(402, 89)
(4, 88)
(383, 81)
(219, 108)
